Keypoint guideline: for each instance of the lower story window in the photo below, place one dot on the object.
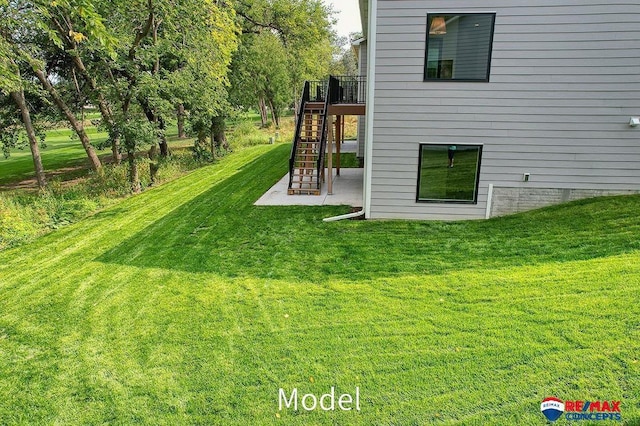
(449, 173)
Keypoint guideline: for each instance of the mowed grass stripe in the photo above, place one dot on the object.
(197, 310)
(87, 239)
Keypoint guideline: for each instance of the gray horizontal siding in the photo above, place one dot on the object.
(565, 78)
(362, 120)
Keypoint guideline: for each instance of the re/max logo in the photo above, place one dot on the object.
(593, 406)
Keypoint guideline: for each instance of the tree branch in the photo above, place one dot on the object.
(143, 32)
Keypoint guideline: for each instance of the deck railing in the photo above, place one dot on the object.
(317, 90)
(350, 90)
(346, 89)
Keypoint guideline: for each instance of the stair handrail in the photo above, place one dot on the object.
(332, 86)
(292, 158)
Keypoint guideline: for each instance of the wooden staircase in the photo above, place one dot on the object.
(306, 169)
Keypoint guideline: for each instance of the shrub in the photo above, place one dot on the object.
(247, 133)
(17, 224)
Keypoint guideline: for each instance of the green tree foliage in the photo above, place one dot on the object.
(26, 29)
(303, 29)
(169, 53)
(136, 59)
(261, 75)
(344, 61)
(139, 61)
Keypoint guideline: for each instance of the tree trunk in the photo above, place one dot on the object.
(156, 119)
(105, 110)
(134, 178)
(19, 99)
(115, 149)
(274, 114)
(75, 123)
(218, 136)
(162, 141)
(65, 34)
(262, 107)
(180, 115)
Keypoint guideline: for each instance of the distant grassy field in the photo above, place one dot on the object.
(189, 305)
(62, 151)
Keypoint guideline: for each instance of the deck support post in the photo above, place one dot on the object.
(339, 137)
(330, 155)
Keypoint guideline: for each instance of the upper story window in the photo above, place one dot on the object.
(459, 47)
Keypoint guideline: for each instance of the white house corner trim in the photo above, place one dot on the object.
(371, 79)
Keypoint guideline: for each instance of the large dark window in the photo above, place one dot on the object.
(459, 47)
(449, 173)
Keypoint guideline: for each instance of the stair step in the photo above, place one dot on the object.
(308, 185)
(303, 191)
(314, 188)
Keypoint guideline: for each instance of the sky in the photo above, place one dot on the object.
(348, 15)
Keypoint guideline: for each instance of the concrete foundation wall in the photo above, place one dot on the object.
(514, 200)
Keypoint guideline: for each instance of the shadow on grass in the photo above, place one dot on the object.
(221, 232)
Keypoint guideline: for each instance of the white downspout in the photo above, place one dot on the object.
(368, 141)
(489, 202)
(344, 216)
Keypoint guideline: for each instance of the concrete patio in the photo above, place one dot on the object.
(347, 190)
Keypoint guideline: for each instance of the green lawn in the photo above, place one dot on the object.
(188, 305)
